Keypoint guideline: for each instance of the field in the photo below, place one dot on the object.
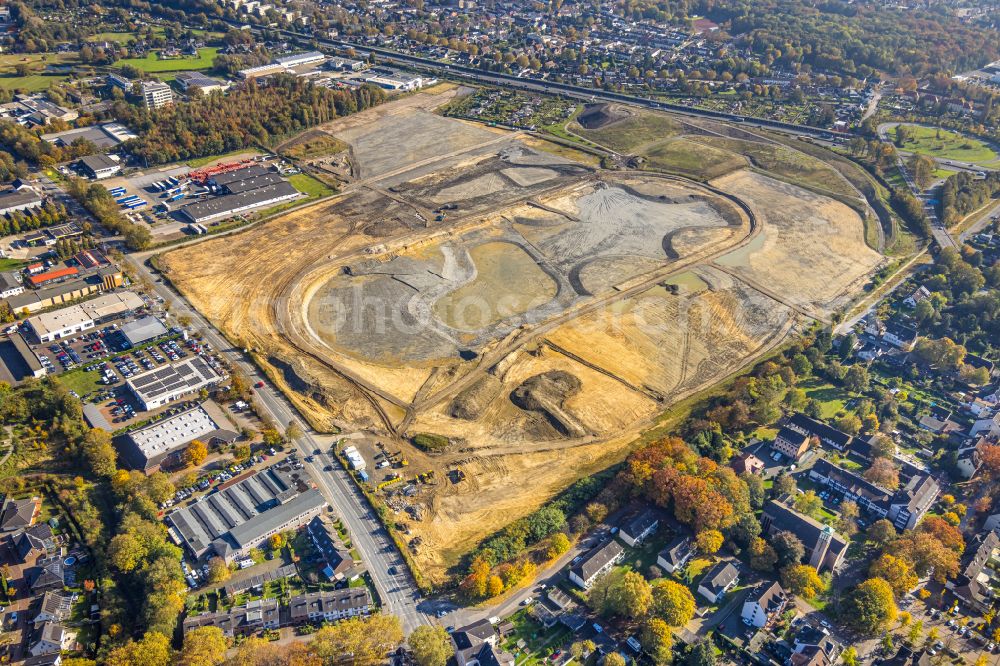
(37, 80)
(152, 63)
(320, 145)
(948, 145)
(533, 313)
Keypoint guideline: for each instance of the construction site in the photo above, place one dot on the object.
(487, 325)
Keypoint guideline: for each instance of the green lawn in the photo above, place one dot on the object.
(830, 397)
(950, 145)
(81, 381)
(37, 80)
(309, 186)
(153, 63)
(8, 264)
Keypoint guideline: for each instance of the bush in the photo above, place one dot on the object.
(430, 442)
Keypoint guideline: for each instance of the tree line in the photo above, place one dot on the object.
(50, 214)
(96, 199)
(962, 194)
(255, 115)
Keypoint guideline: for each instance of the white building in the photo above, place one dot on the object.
(156, 94)
(167, 383)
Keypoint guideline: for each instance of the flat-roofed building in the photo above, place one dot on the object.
(156, 94)
(25, 198)
(142, 330)
(220, 207)
(98, 166)
(167, 383)
(237, 518)
(50, 326)
(150, 447)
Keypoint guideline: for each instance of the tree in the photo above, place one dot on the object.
(883, 472)
(709, 541)
(633, 597)
(809, 503)
(849, 423)
(100, 452)
(126, 552)
(881, 532)
(152, 650)
(803, 580)
(558, 545)
(895, 571)
(871, 606)
(614, 659)
(431, 646)
(494, 586)
(195, 453)
(256, 651)
(368, 639)
(672, 602)
(218, 571)
(784, 484)
(788, 548)
(657, 640)
(700, 654)
(762, 555)
(204, 646)
(850, 656)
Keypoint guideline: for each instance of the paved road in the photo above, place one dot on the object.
(400, 595)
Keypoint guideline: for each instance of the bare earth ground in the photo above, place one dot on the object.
(540, 323)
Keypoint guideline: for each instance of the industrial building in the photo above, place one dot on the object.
(149, 448)
(10, 284)
(24, 198)
(239, 191)
(241, 515)
(104, 136)
(98, 166)
(168, 382)
(142, 330)
(50, 326)
(156, 94)
(308, 58)
(191, 82)
(55, 274)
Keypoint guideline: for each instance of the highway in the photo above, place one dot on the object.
(400, 594)
(541, 86)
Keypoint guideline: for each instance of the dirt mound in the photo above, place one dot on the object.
(596, 116)
(545, 394)
(470, 403)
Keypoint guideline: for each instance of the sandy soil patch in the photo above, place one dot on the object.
(812, 250)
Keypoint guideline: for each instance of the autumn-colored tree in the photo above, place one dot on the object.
(657, 640)
(366, 639)
(883, 472)
(276, 542)
(255, 651)
(203, 646)
(709, 541)
(672, 602)
(614, 659)
(803, 580)
(152, 650)
(871, 607)
(558, 544)
(809, 503)
(218, 570)
(881, 532)
(494, 586)
(195, 453)
(896, 571)
(990, 455)
(762, 555)
(431, 646)
(126, 552)
(475, 584)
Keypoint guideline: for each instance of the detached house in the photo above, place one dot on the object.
(718, 580)
(476, 645)
(766, 601)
